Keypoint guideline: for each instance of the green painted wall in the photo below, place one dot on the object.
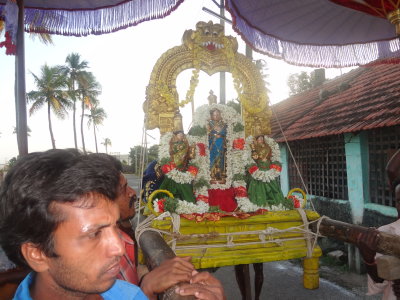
(285, 172)
(356, 147)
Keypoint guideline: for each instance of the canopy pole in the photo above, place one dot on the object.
(222, 80)
(20, 89)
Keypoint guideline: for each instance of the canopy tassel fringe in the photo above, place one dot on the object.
(96, 21)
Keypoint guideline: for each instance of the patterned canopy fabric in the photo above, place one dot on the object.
(317, 33)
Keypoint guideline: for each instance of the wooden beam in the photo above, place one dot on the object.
(388, 244)
(156, 250)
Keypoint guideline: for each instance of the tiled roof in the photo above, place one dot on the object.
(364, 98)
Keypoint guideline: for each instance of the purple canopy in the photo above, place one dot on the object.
(317, 33)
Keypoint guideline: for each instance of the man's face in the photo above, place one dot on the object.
(88, 246)
(124, 200)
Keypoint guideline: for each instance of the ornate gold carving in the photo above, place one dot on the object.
(209, 50)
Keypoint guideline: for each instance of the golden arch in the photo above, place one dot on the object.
(209, 50)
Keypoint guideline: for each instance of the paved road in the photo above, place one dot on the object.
(284, 280)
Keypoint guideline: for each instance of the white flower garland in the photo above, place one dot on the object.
(236, 162)
(185, 207)
(247, 206)
(163, 154)
(234, 157)
(264, 175)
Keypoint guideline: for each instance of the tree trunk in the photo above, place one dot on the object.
(95, 137)
(74, 123)
(53, 141)
(83, 114)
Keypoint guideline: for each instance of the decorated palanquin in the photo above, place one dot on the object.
(219, 199)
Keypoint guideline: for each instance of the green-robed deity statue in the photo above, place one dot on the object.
(180, 153)
(263, 192)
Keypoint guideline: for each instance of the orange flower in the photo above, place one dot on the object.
(276, 167)
(253, 169)
(202, 198)
(238, 144)
(193, 170)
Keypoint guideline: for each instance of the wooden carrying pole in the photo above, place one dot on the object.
(155, 251)
(388, 244)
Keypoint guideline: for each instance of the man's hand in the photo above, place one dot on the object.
(168, 274)
(203, 286)
(367, 243)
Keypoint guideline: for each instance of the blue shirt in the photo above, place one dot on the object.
(121, 290)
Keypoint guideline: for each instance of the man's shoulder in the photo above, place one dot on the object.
(392, 228)
(124, 290)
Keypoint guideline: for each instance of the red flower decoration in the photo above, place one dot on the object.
(11, 49)
(238, 144)
(296, 201)
(161, 204)
(168, 167)
(202, 149)
(202, 198)
(253, 169)
(276, 167)
(240, 191)
(193, 170)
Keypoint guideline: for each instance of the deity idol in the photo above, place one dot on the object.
(217, 131)
(180, 153)
(262, 192)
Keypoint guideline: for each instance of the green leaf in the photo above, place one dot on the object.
(238, 127)
(198, 131)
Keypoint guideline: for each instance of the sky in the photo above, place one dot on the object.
(122, 63)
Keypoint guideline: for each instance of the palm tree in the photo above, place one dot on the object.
(88, 90)
(45, 38)
(106, 143)
(51, 87)
(75, 69)
(96, 117)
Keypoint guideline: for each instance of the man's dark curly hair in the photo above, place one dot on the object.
(41, 179)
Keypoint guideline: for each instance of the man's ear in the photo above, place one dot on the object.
(35, 257)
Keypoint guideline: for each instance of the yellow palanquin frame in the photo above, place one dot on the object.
(162, 111)
(162, 101)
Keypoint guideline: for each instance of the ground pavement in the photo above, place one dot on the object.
(283, 280)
